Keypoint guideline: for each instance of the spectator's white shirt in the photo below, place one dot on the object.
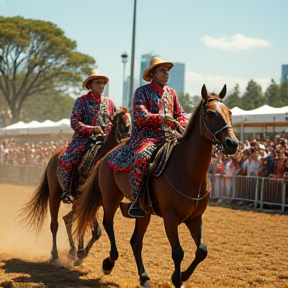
(230, 168)
(252, 167)
(246, 146)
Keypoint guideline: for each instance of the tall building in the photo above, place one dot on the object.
(177, 77)
(284, 73)
(177, 73)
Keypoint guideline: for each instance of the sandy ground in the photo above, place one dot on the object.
(245, 249)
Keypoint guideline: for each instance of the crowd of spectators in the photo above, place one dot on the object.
(265, 158)
(34, 153)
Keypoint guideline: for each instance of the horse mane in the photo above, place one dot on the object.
(192, 121)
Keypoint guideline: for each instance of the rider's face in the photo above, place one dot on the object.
(161, 74)
(97, 86)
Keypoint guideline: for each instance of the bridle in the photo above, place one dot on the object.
(212, 133)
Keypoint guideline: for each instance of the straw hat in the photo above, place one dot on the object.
(94, 74)
(154, 62)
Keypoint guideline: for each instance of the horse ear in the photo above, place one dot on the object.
(204, 92)
(223, 92)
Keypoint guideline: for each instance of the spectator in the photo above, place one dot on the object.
(251, 165)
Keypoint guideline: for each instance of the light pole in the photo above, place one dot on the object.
(124, 57)
(132, 57)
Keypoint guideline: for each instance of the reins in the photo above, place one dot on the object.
(186, 196)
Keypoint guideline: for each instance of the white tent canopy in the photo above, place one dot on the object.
(260, 119)
(35, 127)
(263, 114)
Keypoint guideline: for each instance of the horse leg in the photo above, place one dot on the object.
(137, 244)
(54, 209)
(96, 234)
(171, 229)
(68, 224)
(196, 230)
(109, 213)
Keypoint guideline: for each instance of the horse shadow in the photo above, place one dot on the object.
(49, 275)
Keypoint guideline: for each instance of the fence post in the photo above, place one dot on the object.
(283, 196)
(262, 193)
(256, 192)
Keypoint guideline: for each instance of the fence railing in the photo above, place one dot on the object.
(26, 174)
(258, 190)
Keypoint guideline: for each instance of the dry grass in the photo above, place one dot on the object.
(245, 249)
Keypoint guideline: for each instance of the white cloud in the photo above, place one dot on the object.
(237, 42)
(194, 83)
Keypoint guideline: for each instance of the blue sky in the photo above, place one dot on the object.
(220, 41)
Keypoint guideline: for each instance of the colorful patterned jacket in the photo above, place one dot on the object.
(150, 105)
(89, 111)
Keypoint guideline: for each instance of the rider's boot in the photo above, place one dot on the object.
(65, 197)
(135, 209)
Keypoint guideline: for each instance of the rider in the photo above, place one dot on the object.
(155, 107)
(89, 116)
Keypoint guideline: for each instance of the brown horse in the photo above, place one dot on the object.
(180, 193)
(49, 189)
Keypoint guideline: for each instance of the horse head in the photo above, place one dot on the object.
(217, 121)
(121, 119)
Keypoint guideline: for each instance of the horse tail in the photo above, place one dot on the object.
(88, 202)
(35, 210)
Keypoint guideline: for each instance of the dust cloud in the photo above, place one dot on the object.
(16, 239)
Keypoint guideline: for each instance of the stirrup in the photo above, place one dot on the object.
(66, 198)
(135, 210)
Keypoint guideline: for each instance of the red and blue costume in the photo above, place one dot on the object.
(151, 105)
(89, 111)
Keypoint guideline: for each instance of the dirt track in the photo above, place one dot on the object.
(245, 249)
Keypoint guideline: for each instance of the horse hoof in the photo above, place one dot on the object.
(72, 255)
(146, 284)
(81, 253)
(53, 258)
(107, 266)
(77, 262)
(145, 280)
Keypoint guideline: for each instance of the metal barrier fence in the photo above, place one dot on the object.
(258, 190)
(26, 174)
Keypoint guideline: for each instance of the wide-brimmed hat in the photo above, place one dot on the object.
(154, 62)
(94, 74)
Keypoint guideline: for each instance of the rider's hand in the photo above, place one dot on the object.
(169, 121)
(98, 130)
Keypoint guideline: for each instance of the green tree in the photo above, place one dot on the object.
(186, 102)
(283, 94)
(55, 107)
(252, 97)
(36, 56)
(272, 95)
(233, 99)
(195, 101)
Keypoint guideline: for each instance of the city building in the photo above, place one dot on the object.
(177, 77)
(284, 73)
